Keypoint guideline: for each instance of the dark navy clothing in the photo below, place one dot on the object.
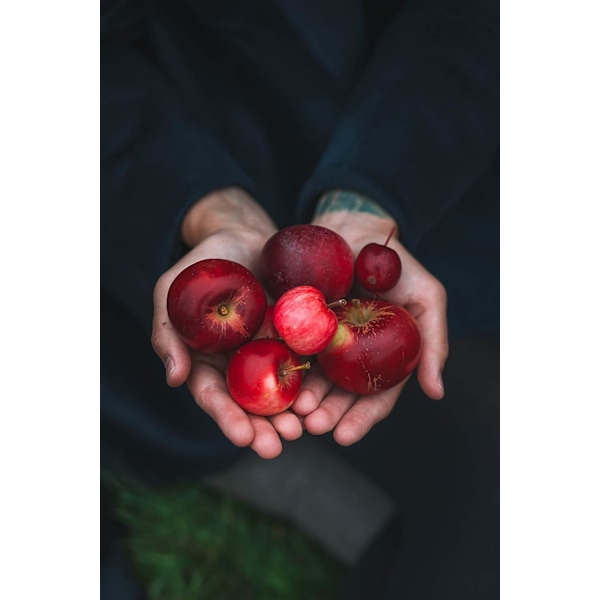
(398, 101)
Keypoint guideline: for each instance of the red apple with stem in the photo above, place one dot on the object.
(216, 305)
(376, 346)
(378, 267)
(307, 255)
(305, 320)
(264, 376)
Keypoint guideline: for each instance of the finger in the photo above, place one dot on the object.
(287, 425)
(434, 334)
(330, 411)
(366, 412)
(314, 388)
(165, 340)
(210, 392)
(266, 442)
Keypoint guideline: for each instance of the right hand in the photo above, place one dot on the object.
(227, 224)
(325, 407)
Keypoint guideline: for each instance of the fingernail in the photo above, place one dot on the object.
(169, 365)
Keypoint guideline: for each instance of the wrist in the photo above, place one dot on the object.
(226, 210)
(342, 209)
(346, 201)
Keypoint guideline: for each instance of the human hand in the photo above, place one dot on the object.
(325, 407)
(227, 224)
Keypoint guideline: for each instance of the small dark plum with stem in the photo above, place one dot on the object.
(378, 267)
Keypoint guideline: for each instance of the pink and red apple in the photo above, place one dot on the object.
(216, 305)
(307, 255)
(304, 320)
(376, 346)
(264, 376)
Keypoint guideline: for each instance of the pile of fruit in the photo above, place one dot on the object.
(363, 345)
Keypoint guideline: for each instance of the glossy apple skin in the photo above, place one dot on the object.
(377, 268)
(376, 346)
(304, 321)
(307, 255)
(256, 377)
(201, 294)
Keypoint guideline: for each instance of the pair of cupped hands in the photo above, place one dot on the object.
(232, 225)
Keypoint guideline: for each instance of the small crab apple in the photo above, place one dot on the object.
(378, 267)
(264, 376)
(216, 305)
(376, 346)
(304, 320)
(307, 255)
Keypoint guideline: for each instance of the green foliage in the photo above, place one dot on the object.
(191, 542)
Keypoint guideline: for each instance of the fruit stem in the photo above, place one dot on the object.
(359, 309)
(340, 302)
(283, 371)
(389, 237)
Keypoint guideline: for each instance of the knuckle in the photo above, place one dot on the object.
(445, 350)
(438, 293)
(161, 287)
(208, 396)
(362, 420)
(155, 341)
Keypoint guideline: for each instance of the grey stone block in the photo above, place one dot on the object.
(323, 496)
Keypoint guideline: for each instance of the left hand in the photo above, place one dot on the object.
(326, 407)
(225, 224)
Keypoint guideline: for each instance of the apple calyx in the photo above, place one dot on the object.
(224, 315)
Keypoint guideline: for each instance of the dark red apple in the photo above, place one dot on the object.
(264, 376)
(307, 255)
(378, 267)
(267, 329)
(304, 320)
(376, 346)
(216, 305)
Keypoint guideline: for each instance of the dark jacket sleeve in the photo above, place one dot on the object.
(157, 158)
(423, 123)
